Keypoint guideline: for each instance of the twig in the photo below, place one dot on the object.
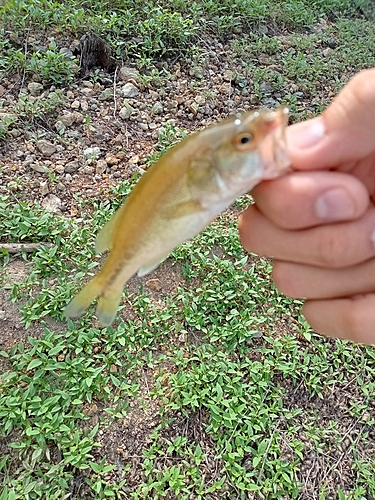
(24, 68)
(114, 92)
(23, 247)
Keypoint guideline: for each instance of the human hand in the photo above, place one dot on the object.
(319, 221)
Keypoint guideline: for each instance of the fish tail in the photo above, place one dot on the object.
(84, 298)
(109, 298)
(108, 304)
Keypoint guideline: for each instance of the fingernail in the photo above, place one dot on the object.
(306, 134)
(335, 205)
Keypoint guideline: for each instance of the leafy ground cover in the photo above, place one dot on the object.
(209, 385)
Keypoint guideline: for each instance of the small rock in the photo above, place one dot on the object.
(125, 74)
(129, 90)
(101, 167)
(70, 94)
(200, 99)
(172, 104)
(157, 108)
(92, 153)
(37, 167)
(78, 117)
(143, 126)
(52, 203)
(75, 104)
(154, 284)
(87, 84)
(60, 127)
(59, 169)
(228, 75)
(182, 337)
(84, 106)
(265, 87)
(111, 159)
(106, 95)
(44, 188)
(68, 119)
(134, 159)
(71, 167)
(126, 112)
(270, 102)
(193, 107)
(2, 90)
(35, 88)
(15, 132)
(46, 147)
(8, 118)
(67, 53)
(88, 170)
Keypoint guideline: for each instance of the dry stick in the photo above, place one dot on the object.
(23, 247)
(114, 92)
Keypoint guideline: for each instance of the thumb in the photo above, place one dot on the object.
(344, 133)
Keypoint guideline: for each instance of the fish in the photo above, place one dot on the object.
(178, 196)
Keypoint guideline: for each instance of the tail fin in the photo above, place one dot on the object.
(84, 298)
(108, 304)
(109, 299)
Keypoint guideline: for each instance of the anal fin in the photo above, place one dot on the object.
(104, 237)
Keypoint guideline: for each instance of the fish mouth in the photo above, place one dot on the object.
(273, 148)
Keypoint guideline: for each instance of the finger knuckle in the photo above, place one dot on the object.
(357, 322)
(331, 251)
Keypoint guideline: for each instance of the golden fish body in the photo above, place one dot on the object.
(179, 196)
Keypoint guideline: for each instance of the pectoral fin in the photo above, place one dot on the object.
(142, 271)
(183, 209)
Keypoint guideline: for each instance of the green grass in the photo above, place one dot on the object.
(237, 369)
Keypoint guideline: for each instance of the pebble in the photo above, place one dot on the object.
(67, 53)
(84, 106)
(52, 203)
(101, 167)
(106, 95)
(125, 74)
(200, 99)
(46, 147)
(154, 284)
(71, 167)
(37, 167)
(35, 88)
(67, 119)
(157, 108)
(75, 104)
(125, 112)
(44, 187)
(129, 90)
(60, 127)
(111, 159)
(59, 169)
(92, 153)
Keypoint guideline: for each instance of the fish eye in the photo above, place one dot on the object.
(244, 140)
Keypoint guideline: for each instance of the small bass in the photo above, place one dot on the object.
(179, 195)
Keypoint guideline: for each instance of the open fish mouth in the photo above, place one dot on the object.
(273, 149)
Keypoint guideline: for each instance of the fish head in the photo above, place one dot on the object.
(253, 149)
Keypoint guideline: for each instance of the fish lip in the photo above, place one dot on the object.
(273, 149)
